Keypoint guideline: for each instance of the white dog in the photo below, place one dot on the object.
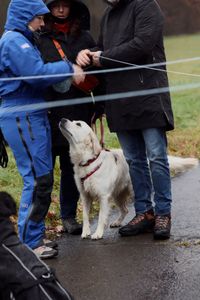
(99, 174)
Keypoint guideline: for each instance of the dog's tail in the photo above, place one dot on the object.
(7, 205)
(179, 164)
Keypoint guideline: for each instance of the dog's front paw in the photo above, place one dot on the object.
(86, 234)
(115, 224)
(97, 236)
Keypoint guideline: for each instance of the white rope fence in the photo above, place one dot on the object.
(113, 70)
(107, 97)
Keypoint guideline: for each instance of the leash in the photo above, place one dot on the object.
(94, 128)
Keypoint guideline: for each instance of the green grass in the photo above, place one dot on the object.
(183, 141)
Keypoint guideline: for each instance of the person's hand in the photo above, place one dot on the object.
(96, 58)
(79, 75)
(83, 58)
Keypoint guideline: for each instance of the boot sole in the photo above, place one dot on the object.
(49, 256)
(149, 230)
(74, 232)
(161, 236)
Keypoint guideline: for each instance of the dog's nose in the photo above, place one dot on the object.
(63, 121)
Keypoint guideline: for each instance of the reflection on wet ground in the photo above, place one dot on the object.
(137, 268)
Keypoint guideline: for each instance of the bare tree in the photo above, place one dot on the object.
(182, 16)
(4, 5)
(96, 8)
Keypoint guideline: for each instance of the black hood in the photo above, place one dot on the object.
(121, 2)
(80, 10)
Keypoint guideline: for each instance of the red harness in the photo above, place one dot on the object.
(93, 125)
(87, 164)
(91, 173)
(90, 161)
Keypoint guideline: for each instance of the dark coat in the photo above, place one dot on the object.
(71, 44)
(132, 31)
(20, 270)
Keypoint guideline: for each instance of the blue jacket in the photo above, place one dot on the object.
(20, 57)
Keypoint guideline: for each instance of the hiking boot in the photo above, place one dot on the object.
(141, 223)
(44, 252)
(50, 244)
(162, 227)
(71, 226)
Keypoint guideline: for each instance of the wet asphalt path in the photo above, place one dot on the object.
(139, 268)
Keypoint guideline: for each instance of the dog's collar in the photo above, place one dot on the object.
(90, 174)
(90, 161)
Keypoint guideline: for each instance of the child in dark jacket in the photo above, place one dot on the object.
(68, 25)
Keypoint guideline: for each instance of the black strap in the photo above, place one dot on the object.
(34, 282)
(3, 152)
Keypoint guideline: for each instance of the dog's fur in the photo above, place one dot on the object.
(179, 164)
(110, 180)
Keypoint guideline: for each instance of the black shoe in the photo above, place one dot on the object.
(51, 244)
(44, 252)
(162, 227)
(139, 224)
(71, 226)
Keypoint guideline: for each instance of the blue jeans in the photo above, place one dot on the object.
(146, 153)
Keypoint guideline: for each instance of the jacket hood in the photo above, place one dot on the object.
(48, 2)
(21, 12)
(79, 10)
(117, 2)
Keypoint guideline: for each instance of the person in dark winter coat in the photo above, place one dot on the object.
(68, 24)
(132, 32)
(27, 132)
(27, 277)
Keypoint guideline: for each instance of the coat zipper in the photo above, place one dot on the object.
(161, 103)
(141, 78)
(29, 127)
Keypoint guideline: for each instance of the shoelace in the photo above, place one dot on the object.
(137, 219)
(162, 221)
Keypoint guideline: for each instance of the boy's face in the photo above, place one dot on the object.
(37, 23)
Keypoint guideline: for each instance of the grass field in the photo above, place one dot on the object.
(183, 141)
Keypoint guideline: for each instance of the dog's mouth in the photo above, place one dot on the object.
(63, 127)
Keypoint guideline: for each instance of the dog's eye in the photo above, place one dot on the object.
(78, 124)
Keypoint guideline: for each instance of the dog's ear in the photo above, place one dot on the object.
(95, 143)
(7, 205)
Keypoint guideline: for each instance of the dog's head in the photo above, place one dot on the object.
(7, 205)
(81, 138)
